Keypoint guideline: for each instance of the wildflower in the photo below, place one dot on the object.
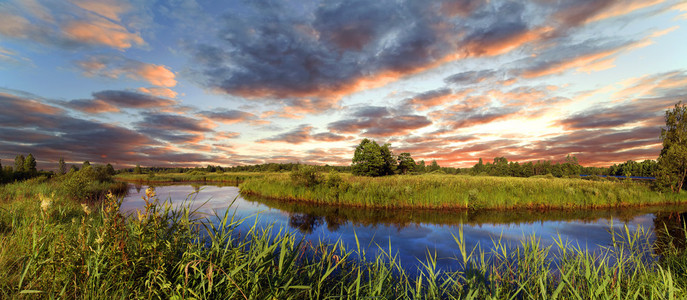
(86, 209)
(45, 202)
(141, 216)
(150, 192)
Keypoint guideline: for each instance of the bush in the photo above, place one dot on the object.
(334, 179)
(305, 176)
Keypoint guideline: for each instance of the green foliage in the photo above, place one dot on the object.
(434, 166)
(672, 162)
(19, 163)
(305, 176)
(61, 167)
(448, 191)
(30, 165)
(405, 163)
(370, 159)
(65, 250)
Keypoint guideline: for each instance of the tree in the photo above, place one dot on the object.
(434, 166)
(62, 167)
(672, 162)
(370, 159)
(109, 169)
(85, 164)
(405, 163)
(19, 163)
(30, 165)
(137, 169)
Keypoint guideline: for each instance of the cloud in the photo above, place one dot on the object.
(429, 99)
(159, 92)
(170, 122)
(232, 117)
(375, 121)
(116, 66)
(321, 53)
(302, 134)
(114, 101)
(63, 25)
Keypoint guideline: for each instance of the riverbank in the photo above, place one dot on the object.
(438, 191)
(233, 178)
(65, 250)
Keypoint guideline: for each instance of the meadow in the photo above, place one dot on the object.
(440, 191)
(193, 176)
(55, 246)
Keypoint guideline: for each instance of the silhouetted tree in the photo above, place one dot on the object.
(62, 167)
(672, 162)
(85, 164)
(137, 169)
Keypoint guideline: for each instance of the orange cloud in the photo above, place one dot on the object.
(102, 32)
(156, 75)
(159, 92)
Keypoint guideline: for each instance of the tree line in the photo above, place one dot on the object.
(25, 167)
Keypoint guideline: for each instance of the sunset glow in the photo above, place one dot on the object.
(192, 83)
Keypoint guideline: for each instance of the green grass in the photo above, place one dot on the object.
(66, 251)
(436, 191)
(194, 176)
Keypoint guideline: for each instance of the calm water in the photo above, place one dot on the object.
(413, 233)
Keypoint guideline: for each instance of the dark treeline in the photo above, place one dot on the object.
(25, 168)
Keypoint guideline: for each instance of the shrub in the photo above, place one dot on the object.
(305, 176)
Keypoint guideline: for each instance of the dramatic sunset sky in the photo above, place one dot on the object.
(191, 83)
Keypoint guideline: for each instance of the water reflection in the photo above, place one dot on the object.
(412, 233)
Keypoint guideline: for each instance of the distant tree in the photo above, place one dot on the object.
(571, 165)
(137, 169)
(421, 167)
(73, 168)
(672, 162)
(370, 159)
(85, 164)
(478, 167)
(19, 163)
(109, 169)
(434, 166)
(30, 165)
(62, 167)
(405, 163)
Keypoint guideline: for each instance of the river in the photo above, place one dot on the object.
(411, 234)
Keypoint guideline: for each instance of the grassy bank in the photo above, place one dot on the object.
(194, 176)
(459, 191)
(65, 250)
(336, 215)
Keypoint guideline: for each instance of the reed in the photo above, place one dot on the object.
(437, 191)
(65, 250)
(233, 178)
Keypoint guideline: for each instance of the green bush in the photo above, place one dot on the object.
(305, 176)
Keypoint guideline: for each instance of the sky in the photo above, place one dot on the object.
(192, 83)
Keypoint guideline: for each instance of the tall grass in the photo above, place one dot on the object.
(68, 251)
(459, 191)
(194, 176)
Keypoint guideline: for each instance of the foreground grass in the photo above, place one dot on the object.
(195, 176)
(460, 191)
(65, 250)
